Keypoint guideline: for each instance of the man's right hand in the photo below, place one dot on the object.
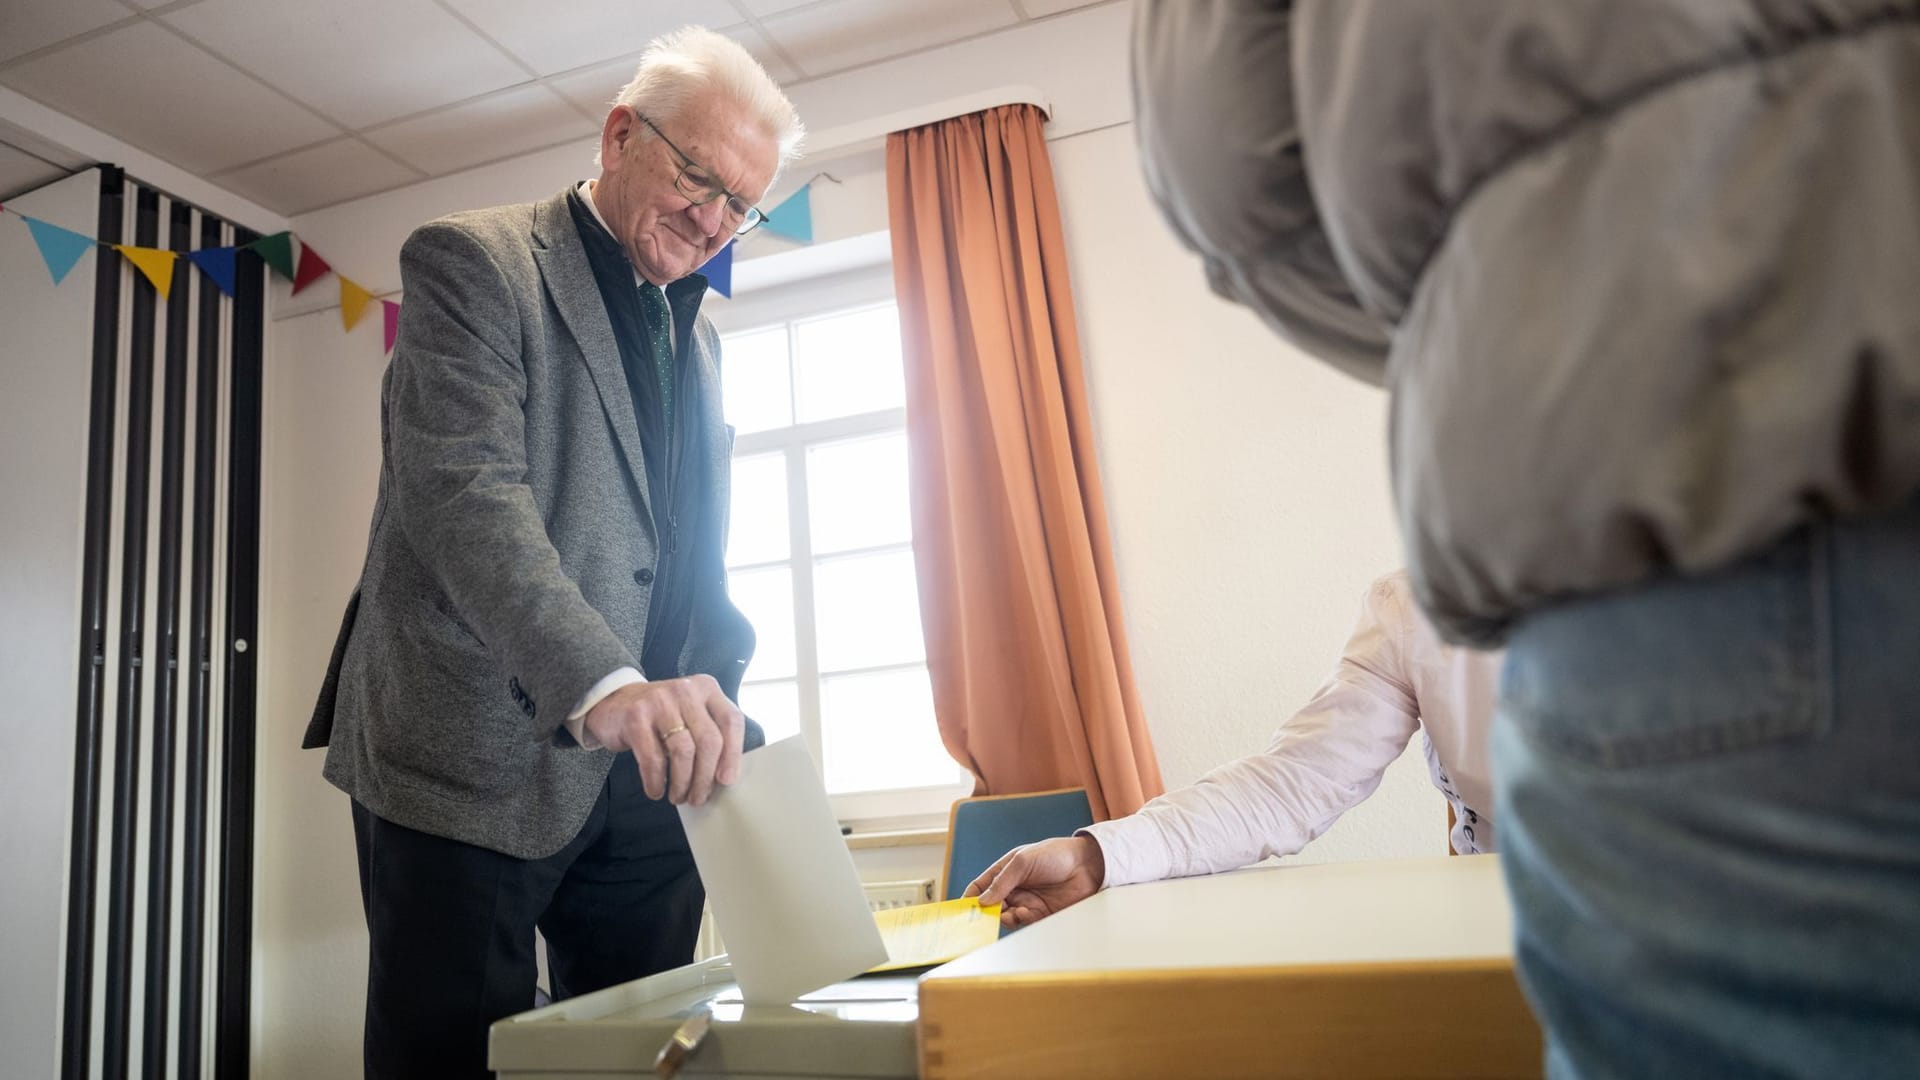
(684, 734)
(1034, 881)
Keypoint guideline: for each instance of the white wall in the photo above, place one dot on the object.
(1247, 494)
(47, 366)
(321, 459)
(1247, 489)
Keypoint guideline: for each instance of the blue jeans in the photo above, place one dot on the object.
(1708, 791)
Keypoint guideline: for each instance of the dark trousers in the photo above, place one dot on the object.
(452, 925)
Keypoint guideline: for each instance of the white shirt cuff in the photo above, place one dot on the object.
(577, 719)
(1132, 848)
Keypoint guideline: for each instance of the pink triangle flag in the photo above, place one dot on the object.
(390, 314)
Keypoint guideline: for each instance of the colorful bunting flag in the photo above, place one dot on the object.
(794, 217)
(353, 302)
(156, 264)
(59, 248)
(390, 313)
(277, 250)
(311, 267)
(219, 266)
(719, 271)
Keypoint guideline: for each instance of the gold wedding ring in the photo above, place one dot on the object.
(665, 735)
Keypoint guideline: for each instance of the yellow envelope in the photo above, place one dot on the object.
(926, 934)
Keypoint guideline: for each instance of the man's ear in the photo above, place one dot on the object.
(615, 132)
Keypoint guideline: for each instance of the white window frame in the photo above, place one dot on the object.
(896, 808)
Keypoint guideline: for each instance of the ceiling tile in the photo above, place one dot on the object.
(144, 85)
(317, 176)
(587, 31)
(361, 62)
(593, 88)
(835, 36)
(21, 172)
(1037, 8)
(486, 129)
(762, 8)
(26, 26)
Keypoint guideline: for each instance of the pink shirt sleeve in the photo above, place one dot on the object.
(1324, 760)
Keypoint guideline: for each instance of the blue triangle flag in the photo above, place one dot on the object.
(218, 264)
(61, 248)
(719, 271)
(793, 218)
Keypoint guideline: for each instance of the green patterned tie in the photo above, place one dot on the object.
(653, 305)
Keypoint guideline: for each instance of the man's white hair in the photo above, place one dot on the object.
(694, 62)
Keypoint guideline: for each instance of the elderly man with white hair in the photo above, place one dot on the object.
(540, 658)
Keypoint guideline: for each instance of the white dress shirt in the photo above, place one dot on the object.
(1395, 678)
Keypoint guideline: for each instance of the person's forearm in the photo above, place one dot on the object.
(1324, 760)
(1239, 814)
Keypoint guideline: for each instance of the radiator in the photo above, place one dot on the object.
(881, 895)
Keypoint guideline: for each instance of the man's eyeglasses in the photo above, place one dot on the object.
(699, 187)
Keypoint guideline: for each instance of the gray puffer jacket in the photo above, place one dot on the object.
(1642, 276)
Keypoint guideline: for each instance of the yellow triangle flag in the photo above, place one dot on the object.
(153, 262)
(353, 302)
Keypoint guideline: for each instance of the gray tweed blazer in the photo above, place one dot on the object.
(510, 558)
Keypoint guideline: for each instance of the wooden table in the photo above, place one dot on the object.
(1382, 969)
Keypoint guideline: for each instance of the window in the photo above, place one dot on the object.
(820, 553)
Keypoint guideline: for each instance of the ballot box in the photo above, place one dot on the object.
(862, 1029)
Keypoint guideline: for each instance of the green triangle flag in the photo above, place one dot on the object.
(277, 250)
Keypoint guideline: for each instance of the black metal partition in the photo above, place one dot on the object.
(193, 891)
(76, 1044)
(124, 792)
(166, 657)
(235, 964)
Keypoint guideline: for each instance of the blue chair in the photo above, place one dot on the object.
(982, 829)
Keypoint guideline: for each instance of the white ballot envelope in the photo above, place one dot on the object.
(780, 878)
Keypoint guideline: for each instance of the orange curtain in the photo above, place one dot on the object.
(1032, 683)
